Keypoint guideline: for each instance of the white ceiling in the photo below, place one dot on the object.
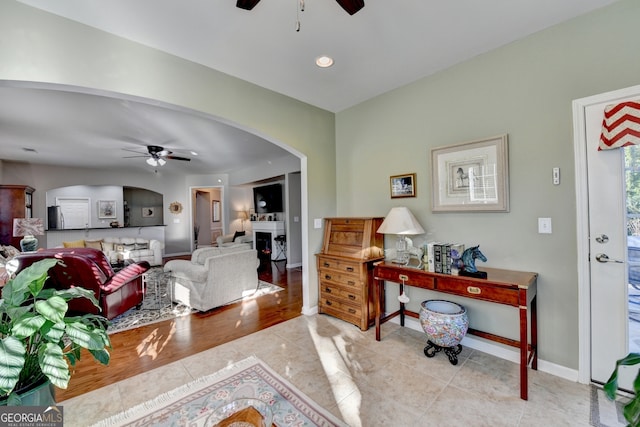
(385, 45)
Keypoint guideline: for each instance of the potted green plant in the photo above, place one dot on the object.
(631, 409)
(39, 340)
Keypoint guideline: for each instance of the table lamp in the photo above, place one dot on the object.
(401, 222)
(242, 216)
(28, 228)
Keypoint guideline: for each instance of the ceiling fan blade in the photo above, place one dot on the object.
(135, 151)
(351, 6)
(135, 157)
(247, 4)
(186, 159)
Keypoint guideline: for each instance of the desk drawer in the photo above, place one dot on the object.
(410, 278)
(329, 290)
(487, 292)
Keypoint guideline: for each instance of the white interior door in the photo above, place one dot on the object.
(607, 239)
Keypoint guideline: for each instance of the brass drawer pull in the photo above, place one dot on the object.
(328, 277)
(328, 302)
(351, 283)
(352, 297)
(352, 311)
(349, 269)
(327, 290)
(474, 290)
(326, 264)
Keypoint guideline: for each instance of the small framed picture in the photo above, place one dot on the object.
(107, 209)
(148, 212)
(403, 185)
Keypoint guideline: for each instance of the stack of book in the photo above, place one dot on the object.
(445, 258)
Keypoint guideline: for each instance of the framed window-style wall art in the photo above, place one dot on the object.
(472, 176)
(403, 185)
(215, 211)
(106, 209)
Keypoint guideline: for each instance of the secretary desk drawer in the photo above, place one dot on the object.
(343, 266)
(329, 305)
(328, 290)
(341, 279)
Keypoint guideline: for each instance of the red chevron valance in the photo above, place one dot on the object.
(621, 125)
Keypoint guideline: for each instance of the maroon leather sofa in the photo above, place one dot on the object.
(89, 268)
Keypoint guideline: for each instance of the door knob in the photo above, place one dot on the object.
(605, 258)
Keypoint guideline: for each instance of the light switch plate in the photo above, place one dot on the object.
(544, 225)
(317, 223)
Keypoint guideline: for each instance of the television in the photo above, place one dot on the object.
(268, 198)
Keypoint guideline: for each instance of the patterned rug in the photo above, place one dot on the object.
(157, 305)
(191, 404)
(604, 412)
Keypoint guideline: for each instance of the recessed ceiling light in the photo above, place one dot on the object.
(324, 61)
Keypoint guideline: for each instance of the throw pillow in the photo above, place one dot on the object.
(237, 234)
(107, 246)
(74, 244)
(95, 244)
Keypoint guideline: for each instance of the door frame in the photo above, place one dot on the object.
(582, 221)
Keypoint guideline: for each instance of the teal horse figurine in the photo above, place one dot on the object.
(469, 257)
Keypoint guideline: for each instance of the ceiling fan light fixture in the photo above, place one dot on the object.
(152, 162)
(324, 61)
(161, 162)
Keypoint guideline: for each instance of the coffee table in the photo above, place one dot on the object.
(160, 281)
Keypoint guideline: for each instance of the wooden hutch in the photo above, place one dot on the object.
(16, 202)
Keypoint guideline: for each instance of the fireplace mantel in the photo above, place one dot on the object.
(275, 228)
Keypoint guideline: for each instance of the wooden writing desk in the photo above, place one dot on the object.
(513, 288)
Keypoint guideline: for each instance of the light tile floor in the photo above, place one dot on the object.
(365, 382)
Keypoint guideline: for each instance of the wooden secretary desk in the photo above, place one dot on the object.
(350, 248)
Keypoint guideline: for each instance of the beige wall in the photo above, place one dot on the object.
(40, 47)
(524, 89)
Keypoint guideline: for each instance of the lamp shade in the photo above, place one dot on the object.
(242, 215)
(28, 227)
(400, 220)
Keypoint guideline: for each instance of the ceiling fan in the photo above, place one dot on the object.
(157, 156)
(351, 6)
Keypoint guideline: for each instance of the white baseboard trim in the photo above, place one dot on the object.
(294, 265)
(499, 351)
(309, 311)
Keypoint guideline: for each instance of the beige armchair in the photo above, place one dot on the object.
(214, 276)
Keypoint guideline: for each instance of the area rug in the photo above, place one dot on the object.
(191, 404)
(604, 412)
(156, 308)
